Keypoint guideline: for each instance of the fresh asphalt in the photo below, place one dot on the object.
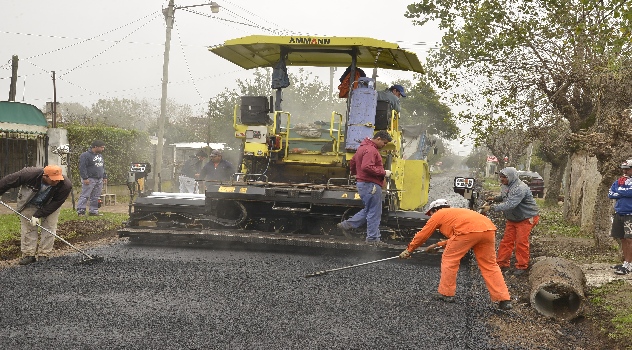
(144, 297)
(241, 297)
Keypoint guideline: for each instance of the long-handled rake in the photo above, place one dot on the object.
(89, 259)
(320, 273)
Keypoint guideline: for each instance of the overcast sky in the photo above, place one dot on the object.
(114, 49)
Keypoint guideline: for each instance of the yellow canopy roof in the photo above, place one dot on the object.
(264, 51)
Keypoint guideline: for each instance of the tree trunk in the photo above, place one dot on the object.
(603, 214)
(582, 184)
(555, 181)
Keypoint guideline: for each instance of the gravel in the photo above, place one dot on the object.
(239, 297)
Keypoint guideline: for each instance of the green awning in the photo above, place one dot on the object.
(21, 113)
(22, 117)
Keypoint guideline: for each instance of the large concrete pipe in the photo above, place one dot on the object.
(557, 288)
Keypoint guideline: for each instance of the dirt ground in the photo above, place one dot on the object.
(526, 328)
(523, 327)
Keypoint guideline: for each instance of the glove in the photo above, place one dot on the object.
(35, 221)
(432, 248)
(405, 254)
(622, 180)
(388, 173)
(484, 209)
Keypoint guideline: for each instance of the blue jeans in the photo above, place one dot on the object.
(371, 214)
(90, 193)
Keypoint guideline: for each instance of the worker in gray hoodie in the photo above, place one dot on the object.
(521, 212)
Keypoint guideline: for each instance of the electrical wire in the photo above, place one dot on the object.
(86, 40)
(116, 43)
(74, 38)
(186, 62)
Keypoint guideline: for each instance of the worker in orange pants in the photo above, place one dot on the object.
(521, 212)
(465, 230)
(516, 236)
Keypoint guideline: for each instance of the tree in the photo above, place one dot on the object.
(124, 113)
(73, 113)
(424, 106)
(524, 55)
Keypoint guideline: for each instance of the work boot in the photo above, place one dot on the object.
(378, 244)
(81, 213)
(42, 258)
(345, 232)
(445, 298)
(29, 259)
(505, 305)
(95, 214)
(623, 270)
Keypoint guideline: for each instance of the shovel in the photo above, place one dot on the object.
(88, 258)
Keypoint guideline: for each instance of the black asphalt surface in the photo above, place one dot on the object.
(175, 298)
(240, 297)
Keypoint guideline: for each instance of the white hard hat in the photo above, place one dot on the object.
(626, 165)
(436, 204)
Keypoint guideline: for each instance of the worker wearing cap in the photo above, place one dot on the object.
(521, 212)
(465, 230)
(191, 170)
(392, 95)
(93, 177)
(217, 169)
(41, 194)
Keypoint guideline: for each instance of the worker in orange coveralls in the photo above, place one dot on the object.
(465, 230)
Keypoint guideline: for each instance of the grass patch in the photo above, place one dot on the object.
(552, 221)
(492, 185)
(70, 227)
(615, 299)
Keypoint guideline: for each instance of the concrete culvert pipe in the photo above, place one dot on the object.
(557, 288)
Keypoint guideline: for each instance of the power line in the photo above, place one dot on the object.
(83, 41)
(116, 43)
(75, 38)
(186, 62)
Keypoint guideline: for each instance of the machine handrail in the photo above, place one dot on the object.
(336, 140)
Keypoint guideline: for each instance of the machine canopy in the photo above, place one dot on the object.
(261, 51)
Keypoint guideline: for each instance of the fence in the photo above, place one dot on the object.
(18, 150)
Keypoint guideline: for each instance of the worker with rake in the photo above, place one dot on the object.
(465, 230)
(41, 194)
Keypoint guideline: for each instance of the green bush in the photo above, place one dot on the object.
(121, 148)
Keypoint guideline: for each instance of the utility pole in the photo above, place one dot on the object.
(54, 109)
(14, 78)
(168, 12)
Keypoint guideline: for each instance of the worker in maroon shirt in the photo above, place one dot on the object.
(368, 169)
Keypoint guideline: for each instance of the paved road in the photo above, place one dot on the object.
(238, 298)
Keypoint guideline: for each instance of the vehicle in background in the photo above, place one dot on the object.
(535, 182)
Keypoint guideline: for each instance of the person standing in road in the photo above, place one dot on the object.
(41, 194)
(465, 230)
(366, 166)
(191, 170)
(392, 95)
(217, 169)
(621, 191)
(521, 214)
(93, 177)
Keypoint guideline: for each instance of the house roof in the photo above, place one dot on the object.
(22, 117)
